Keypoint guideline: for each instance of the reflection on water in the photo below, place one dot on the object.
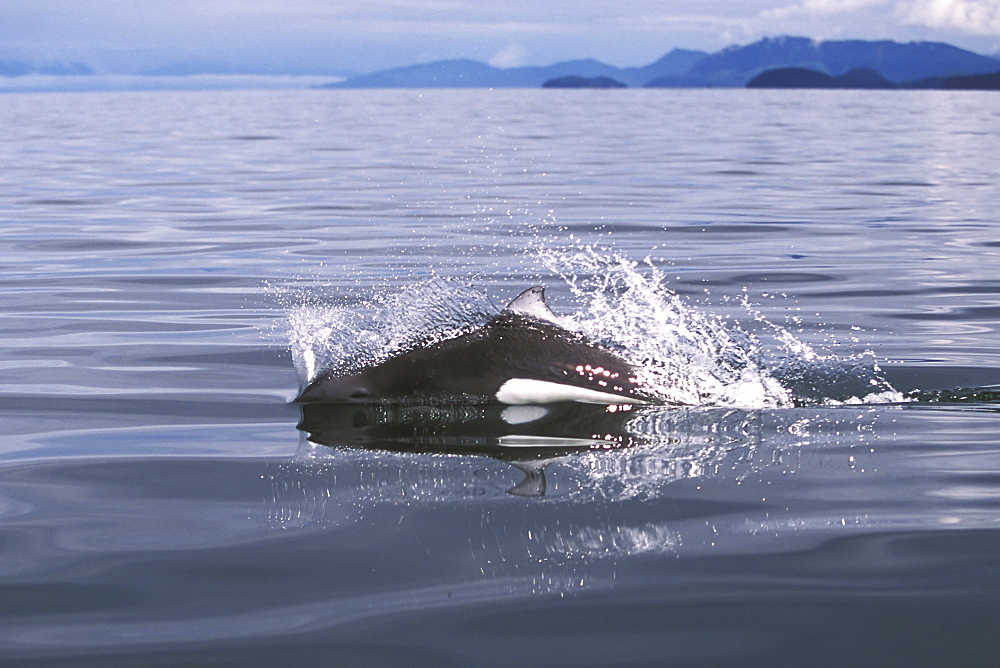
(598, 484)
(152, 512)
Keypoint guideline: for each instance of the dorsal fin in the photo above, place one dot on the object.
(533, 484)
(531, 303)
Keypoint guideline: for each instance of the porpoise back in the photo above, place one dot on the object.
(519, 357)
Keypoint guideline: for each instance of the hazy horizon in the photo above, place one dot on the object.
(316, 37)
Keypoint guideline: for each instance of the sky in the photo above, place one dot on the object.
(352, 36)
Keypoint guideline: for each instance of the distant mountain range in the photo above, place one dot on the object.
(735, 66)
(474, 74)
(782, 62)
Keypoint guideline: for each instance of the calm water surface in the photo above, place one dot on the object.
(161, 501)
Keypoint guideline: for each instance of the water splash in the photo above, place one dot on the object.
(346, 338)
(692, 357)
(684, 354)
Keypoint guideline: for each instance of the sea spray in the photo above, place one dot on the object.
(344, 339)
(685, 354)
(817, 376)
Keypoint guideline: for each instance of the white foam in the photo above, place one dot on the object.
(680, 354)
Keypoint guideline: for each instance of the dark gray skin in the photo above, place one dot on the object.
(457, 428)
(474, 367)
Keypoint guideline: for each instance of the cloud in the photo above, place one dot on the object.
(978, 17)
(817, 8)
(510, 56)
(130, 36)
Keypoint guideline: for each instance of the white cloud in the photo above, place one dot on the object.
(128, 36)
(978, 17)
(815, 8)
(514, 55)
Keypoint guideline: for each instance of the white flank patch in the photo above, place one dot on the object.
(519, 391)
(523, 414)
(534, 442)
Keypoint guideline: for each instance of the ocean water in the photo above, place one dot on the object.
(811, 277)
